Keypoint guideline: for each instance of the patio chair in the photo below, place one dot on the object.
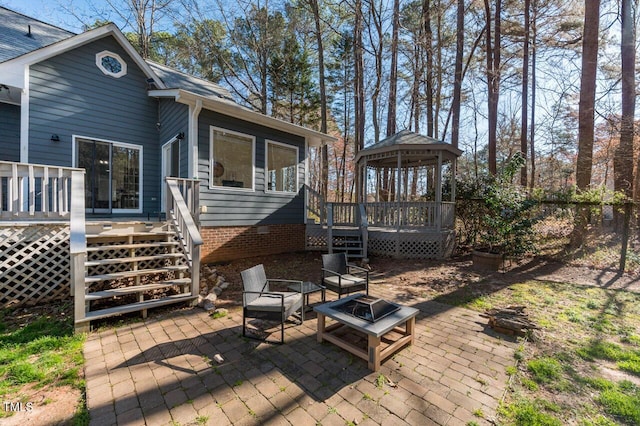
(342, 277)
(260, 301)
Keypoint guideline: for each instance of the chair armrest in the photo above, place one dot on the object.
(358, 271)
(350, 265)
(285, 281)
(279, 284)
(329, 270)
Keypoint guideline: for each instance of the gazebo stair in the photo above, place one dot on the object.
(347, 241)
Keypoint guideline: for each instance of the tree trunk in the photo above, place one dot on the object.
(525, 94)
(534, 30)
(623, 160)
(324, 175)
(586, 106)
(393, 75)
(457, 83)
(586, 109)
(359, 81)
(493, 79)
(428, 48)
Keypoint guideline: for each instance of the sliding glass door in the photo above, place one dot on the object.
(112, 178)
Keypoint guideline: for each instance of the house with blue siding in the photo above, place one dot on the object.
(88, 105)
(91, 101)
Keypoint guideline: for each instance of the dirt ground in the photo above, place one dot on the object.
(425, 278)
(409, 279)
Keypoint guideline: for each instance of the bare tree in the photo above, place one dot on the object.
(359, 78)
(525, 93)
(493, 77)
(586, 105)
(532, 150)
(623, 160)
(142, 16)
(457, 82)
(393, 75)
(324, 174)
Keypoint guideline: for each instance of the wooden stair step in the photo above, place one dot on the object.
(155, 234)
(129, 274)
(135, 307)
(132, 246)
(96, 295)
(117, 260)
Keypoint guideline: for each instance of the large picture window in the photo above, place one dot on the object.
(232, 157)
(282, 167)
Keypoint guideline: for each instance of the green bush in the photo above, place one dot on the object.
(497, 213)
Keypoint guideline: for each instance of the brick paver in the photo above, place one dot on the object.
(161, 371)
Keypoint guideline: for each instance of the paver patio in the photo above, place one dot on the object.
(162, 370)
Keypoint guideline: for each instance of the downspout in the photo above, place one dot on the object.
(306, 182)
(194, 113)
(24, 118)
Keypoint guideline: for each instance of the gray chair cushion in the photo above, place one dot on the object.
(292, 301)
(347, 280)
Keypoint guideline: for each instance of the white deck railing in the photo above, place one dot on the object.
(183, 211)
(36, 192)
(316, 210)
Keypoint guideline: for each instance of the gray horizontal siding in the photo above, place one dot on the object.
(9, 132)
(69, 95)
(174, 118)
(226, 207)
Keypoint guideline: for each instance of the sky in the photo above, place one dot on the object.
(52, 11)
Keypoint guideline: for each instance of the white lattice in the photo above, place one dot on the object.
(316, 237)
(411, 244)
(34, 264)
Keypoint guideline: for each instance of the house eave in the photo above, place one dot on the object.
(223, 106)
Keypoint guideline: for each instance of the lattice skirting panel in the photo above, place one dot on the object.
(411, 245)
(315, 238)
(34, 264)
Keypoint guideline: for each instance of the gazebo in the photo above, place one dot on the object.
(407, 185)
(405, 193)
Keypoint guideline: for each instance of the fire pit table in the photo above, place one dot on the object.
(386, 326)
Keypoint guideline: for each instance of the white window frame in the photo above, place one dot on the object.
(212, 160)
(74, 139)
(266, 167)
(105, 71)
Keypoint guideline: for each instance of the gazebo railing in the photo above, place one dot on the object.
(346, 214)
(408, 214)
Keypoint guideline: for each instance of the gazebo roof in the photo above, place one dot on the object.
(413, 148)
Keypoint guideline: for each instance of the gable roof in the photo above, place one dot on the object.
(174, 79)
(20, 34)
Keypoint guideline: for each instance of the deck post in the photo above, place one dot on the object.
(330, 227)
(78, 250)
(439, 193)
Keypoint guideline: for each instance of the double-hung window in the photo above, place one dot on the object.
(281, 167)
(232, 160)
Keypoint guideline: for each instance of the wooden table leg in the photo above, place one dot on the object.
(374, 353)
(321, 327)
(411, 328)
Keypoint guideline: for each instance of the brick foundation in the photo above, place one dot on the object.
(237, 242)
